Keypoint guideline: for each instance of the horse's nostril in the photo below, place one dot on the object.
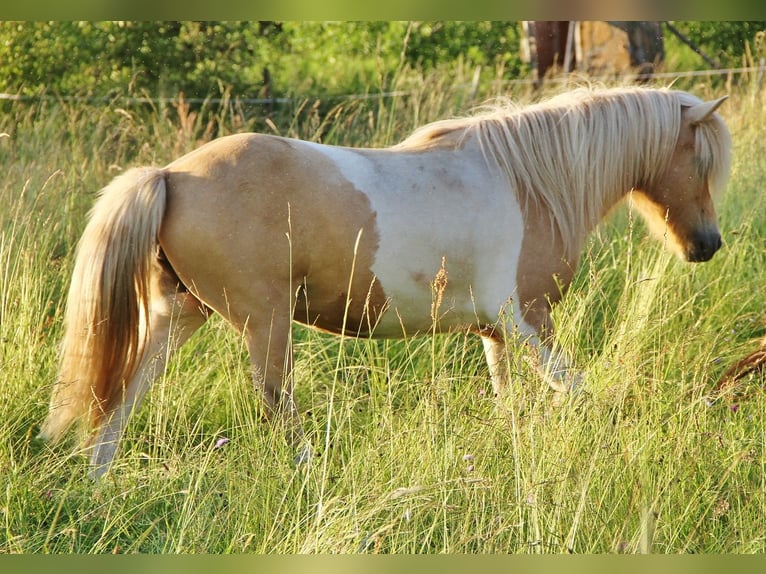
(714, 243)
(705, 247)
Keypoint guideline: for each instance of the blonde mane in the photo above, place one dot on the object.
(577, 152)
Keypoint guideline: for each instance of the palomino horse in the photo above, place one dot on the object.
(266, 230)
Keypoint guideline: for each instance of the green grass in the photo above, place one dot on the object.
(412, 454)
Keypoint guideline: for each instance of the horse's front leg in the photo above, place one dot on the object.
(497, 361)
(555, 366)
(549, 359)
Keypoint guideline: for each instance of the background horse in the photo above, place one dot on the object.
(491, 211)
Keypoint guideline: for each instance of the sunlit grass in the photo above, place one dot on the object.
(411, 451)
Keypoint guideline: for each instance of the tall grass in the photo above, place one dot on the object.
(412, 453)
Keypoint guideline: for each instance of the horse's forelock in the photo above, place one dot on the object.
(712, 145)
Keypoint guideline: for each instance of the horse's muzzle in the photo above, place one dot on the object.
(704, 247)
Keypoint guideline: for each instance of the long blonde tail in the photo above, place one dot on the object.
(108, 301)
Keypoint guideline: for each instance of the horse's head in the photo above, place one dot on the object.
(678, 204)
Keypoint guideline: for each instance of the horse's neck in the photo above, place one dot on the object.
(632, 174)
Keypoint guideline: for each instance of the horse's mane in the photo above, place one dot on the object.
(574, 151)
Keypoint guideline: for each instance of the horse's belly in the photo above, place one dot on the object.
(422, 305)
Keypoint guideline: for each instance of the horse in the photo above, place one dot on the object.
(490, 210)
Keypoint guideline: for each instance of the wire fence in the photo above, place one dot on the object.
(560, 79)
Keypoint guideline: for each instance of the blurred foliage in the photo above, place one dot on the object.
(287, 59)
(205, 59)
(726, 42)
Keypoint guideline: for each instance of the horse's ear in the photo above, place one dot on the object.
(699, 113)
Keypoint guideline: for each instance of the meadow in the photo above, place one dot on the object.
(412, 452)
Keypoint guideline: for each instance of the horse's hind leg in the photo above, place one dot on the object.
(268, 338)
(174, 315)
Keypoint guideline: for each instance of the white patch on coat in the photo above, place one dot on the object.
(430, 205)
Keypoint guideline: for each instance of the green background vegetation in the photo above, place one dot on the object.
(208, 59)
(412, 454)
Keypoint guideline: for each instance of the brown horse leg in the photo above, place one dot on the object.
(173, 317)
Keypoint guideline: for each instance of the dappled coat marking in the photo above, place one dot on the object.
(265, 230)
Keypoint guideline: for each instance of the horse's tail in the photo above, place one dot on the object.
(107, 306)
